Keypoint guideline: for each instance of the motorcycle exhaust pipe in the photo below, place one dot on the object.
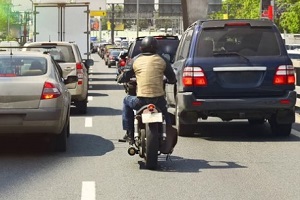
(132, 151)
(136, 128)
(164, 130)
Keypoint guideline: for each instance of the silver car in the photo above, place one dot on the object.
(34, 98)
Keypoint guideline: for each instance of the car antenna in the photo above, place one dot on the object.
(10, 50)
(49, 38)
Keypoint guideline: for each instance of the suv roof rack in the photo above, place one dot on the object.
(171, 37)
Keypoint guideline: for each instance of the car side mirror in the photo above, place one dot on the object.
(71, 79)
(88, 62)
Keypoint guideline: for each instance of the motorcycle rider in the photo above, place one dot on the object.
(149, 68)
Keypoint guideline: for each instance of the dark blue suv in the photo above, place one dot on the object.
(233, 69)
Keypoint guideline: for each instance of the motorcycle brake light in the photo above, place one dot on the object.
(151, 107)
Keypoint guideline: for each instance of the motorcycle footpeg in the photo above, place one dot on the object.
(122, 140)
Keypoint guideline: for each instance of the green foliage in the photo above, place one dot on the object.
(290, 20)
(238, 9)
(287, 12)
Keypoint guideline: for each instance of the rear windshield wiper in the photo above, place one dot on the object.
(60, 61)
(218, 53)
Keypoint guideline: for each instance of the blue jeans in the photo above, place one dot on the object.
(131, 103)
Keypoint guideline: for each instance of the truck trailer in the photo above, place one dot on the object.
(63, 22)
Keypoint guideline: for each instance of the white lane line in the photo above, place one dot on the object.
(90, 98)
(88, 190)
(88, 122)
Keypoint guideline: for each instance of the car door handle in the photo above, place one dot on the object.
(69, 68)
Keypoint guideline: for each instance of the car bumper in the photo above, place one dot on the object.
(242, 108)
(112, 62)
(31, 121)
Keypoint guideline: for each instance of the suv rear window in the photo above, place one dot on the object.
(243, 40)
(166, 45)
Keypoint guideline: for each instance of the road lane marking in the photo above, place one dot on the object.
(90, 98)
(88, 190)
(88, 122)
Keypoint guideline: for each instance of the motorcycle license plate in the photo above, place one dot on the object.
(152, 117)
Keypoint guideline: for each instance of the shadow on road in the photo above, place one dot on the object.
(179, 164)
(78, 145)
(96, 111)
(96, 94)
(239, 132)
(101, 73)
(104, 79)
(106, 87)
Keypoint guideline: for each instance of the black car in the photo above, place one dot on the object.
(113, 57)
(233, 69)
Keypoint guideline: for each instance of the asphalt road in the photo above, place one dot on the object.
(232, 160)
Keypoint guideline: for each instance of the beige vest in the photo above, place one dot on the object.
(149, 72)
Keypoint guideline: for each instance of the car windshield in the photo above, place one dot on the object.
(243, 40)
(14, 66)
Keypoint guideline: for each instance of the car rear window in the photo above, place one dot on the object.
(115, 53)
(60, 53)
(165, 46)
(244, 40)
(16, 66)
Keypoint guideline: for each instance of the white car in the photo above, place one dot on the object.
(294, 54)
(68, 56)
(9, 44)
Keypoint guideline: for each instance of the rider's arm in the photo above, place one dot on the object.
(169, 73)
(126, 75)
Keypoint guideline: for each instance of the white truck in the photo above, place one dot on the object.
(59, 21)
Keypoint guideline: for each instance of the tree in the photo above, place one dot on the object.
(3, 16)
(288, 17)
(238, 9)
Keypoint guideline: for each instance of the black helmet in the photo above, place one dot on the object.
(149, 45)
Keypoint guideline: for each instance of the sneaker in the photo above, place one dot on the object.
(128, 136)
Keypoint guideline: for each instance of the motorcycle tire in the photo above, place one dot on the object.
(142, 148)
(152, 145)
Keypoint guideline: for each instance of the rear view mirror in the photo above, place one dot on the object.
(167, 56)
(71, 79)
(88, 62)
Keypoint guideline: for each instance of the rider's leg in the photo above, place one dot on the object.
(129, 103)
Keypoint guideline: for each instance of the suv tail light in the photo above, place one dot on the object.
(50, 91)
(79, 72)
(285, 75)
(194, 76)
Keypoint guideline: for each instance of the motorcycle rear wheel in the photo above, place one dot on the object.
(142, 148)
(152, 145)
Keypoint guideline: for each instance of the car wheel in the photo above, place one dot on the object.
(185, 130)
(283, 130)
(82, 106)
(60, 140)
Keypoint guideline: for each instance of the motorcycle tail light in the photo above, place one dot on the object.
(151, 107)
